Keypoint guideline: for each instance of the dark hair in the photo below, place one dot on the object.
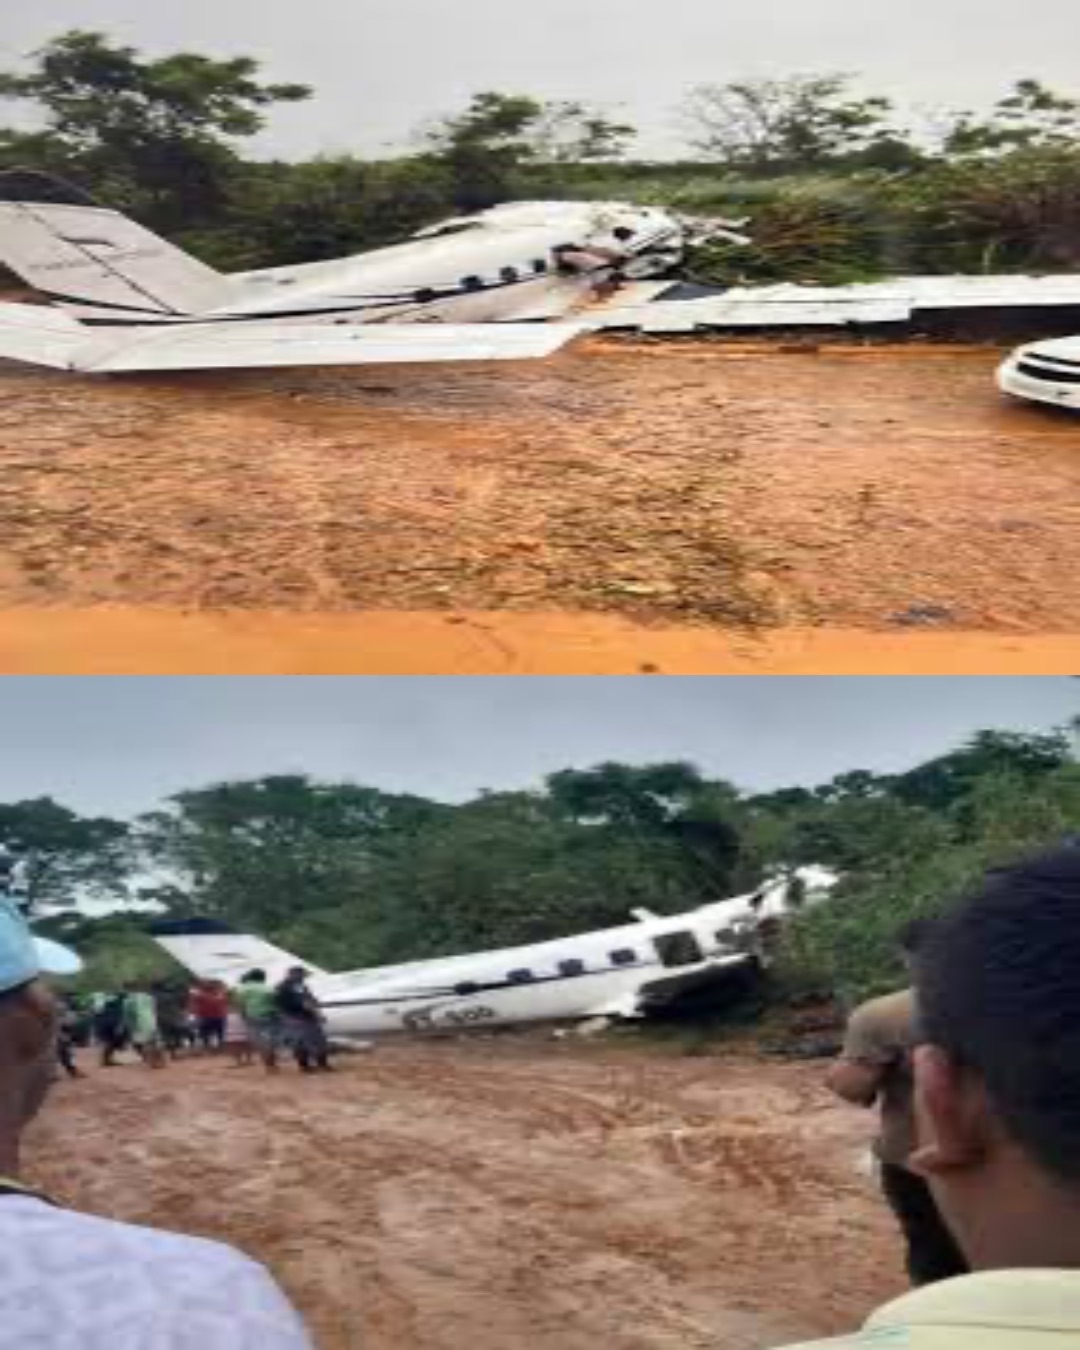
(914, 934)
(998, 987)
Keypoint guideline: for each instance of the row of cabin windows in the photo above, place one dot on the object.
(474, 283)
(674, 950)
(625, 956)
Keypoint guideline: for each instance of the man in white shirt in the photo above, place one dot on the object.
(997, 1111)
(74, 1282)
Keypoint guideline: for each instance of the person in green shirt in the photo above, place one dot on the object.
(254, 1000)
(140, 1015)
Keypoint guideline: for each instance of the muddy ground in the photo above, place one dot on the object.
(851, 487)
(503, 1193)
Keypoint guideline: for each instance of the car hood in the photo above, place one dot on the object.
(1064, 349)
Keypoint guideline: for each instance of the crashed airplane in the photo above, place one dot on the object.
(468, 289)
(628, 972)
(517, 281)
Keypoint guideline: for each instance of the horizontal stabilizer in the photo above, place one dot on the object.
(225, 346)
(213, 951)
(42, 336)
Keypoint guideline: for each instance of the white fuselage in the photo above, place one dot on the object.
(620, 972)
(498, 266)
(604, 974)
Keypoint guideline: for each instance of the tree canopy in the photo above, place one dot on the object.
(152, 135)
(348, 875)
(804, 121)
(840, 184)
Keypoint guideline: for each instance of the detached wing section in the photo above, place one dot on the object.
(44, 337)
(244, 345)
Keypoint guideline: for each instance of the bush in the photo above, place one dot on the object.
(827, 233)
(848, 944)
(1020, 212)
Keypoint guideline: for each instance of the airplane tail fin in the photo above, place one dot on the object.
(96, 263)
(214, 951)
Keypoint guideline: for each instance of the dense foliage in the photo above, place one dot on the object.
(350, 876)
(840, 184)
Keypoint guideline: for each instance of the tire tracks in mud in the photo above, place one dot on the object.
(499, 1193)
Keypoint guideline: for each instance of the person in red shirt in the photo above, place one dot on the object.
(209, 1006)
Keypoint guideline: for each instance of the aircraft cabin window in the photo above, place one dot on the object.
(625, 956)
(520, 976)
(572, 967)
(679, 949)
(540, 265)
(509, 274)
(473, 283)
(466, 988)
(425, 296)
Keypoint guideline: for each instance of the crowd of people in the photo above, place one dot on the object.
(256, 1021)
(975, 1070)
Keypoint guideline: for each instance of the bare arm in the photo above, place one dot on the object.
(868, 1056)
(855, 1083)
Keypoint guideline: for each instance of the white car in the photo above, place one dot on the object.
(1044, 372)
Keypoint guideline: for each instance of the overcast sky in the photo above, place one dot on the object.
(381, 66)
(119, 745)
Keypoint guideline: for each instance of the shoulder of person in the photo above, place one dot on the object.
(203, 1284)
(889, 1010)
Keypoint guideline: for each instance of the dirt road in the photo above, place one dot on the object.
(503, 1193)
(751, 488)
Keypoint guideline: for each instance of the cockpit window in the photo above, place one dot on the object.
(679, 949)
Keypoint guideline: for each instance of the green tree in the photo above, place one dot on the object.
(115, 949)
(672, 804)
(262, 853)
(512, 868)
(489, 148)
(1031, 115)
(154, 136)
(943, 783)
(774, 126)
(326, 208)
(71, 857)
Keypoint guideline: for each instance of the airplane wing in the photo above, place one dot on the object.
(901, 300)
(42, 336)
(241, 345)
